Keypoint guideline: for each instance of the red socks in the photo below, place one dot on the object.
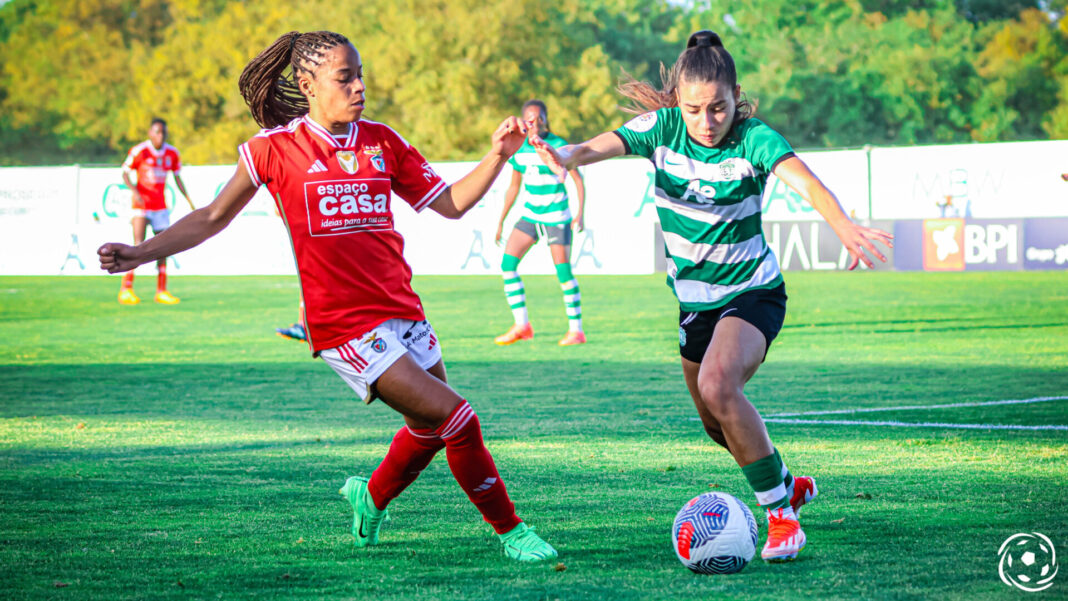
(127, 280)
(473, 468)
(161, 281)
(409, 454)
(470, 462)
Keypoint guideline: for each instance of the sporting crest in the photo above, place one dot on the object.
(726, 171)
(347, 160)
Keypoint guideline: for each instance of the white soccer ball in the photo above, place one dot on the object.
(714, 533)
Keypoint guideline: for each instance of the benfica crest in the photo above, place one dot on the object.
(347, 160)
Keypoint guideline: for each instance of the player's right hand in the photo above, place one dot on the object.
(115, 257)
(553, 158)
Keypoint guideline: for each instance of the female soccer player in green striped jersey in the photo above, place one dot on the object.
(545, 213)
(712, 161)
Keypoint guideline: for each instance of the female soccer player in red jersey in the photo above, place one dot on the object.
(332, 175)
(150, 161)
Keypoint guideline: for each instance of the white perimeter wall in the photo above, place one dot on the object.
(52, 219)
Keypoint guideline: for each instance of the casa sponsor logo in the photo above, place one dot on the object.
(953, 245)
(1028, 561)
(641, 123)
(346, 206)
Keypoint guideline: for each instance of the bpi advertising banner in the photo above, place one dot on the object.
(977, 206)
(956, 244)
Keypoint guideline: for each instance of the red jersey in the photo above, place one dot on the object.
(151, 166)
(334, 196)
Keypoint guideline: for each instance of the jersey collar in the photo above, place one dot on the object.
(325, 134)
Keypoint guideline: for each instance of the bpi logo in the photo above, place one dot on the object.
(1028, 562)
(951, 244)
(943, 245)
(346, 206)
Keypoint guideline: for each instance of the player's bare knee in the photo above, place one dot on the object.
(719, 391)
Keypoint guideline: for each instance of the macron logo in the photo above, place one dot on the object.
(317, 167)
(485, 485)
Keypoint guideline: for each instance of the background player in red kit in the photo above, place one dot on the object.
(150, 161)
(332, 175)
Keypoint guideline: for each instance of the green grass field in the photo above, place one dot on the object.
(187, 452)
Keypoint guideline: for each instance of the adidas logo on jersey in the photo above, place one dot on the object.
(317, 167)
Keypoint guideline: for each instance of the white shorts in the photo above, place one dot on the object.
(159, 220)
(363, 359)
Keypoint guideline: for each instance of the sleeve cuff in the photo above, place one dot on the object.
(430, 196)
(788, 155)
(626, 146)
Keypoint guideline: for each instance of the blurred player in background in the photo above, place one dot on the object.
(712, 161)
(545, 213)
(332, 175)
(150, 161)
(296, 331)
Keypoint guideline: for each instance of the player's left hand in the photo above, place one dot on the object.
(509, 137)
(856, 238)
(554, 158)
(577, 223)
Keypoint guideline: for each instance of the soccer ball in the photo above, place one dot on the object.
(714, 533)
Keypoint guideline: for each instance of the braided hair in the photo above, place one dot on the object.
(274, 97)
(704, 60)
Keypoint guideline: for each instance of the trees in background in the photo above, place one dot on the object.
(80, 81)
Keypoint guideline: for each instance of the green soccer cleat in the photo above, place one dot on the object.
(367, 519)
(521, 544)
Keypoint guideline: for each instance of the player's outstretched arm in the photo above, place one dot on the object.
(458, 198)
(796, 174)
(566, 158)
(188, 232)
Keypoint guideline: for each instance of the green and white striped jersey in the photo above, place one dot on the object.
(544, 196)
(708, 201)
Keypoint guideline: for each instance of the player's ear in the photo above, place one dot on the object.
(306, 85)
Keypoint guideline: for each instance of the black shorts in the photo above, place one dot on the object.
(765, 309)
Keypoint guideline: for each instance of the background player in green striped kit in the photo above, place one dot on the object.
(712, 161)
(545, 213)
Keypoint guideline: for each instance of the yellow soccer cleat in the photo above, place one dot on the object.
(573, 338)
(166, 298)
(127, 297)
(515, 334)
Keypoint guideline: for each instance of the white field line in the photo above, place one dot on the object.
(1041, 399)
(789, 418)
(842, 422)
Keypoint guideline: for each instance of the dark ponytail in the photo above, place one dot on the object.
(704, 60)
(273, 97)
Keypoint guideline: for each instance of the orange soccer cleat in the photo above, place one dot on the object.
(785, 536)
(515, 334)
(127, 297)
(573, 338)
(166, 298)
